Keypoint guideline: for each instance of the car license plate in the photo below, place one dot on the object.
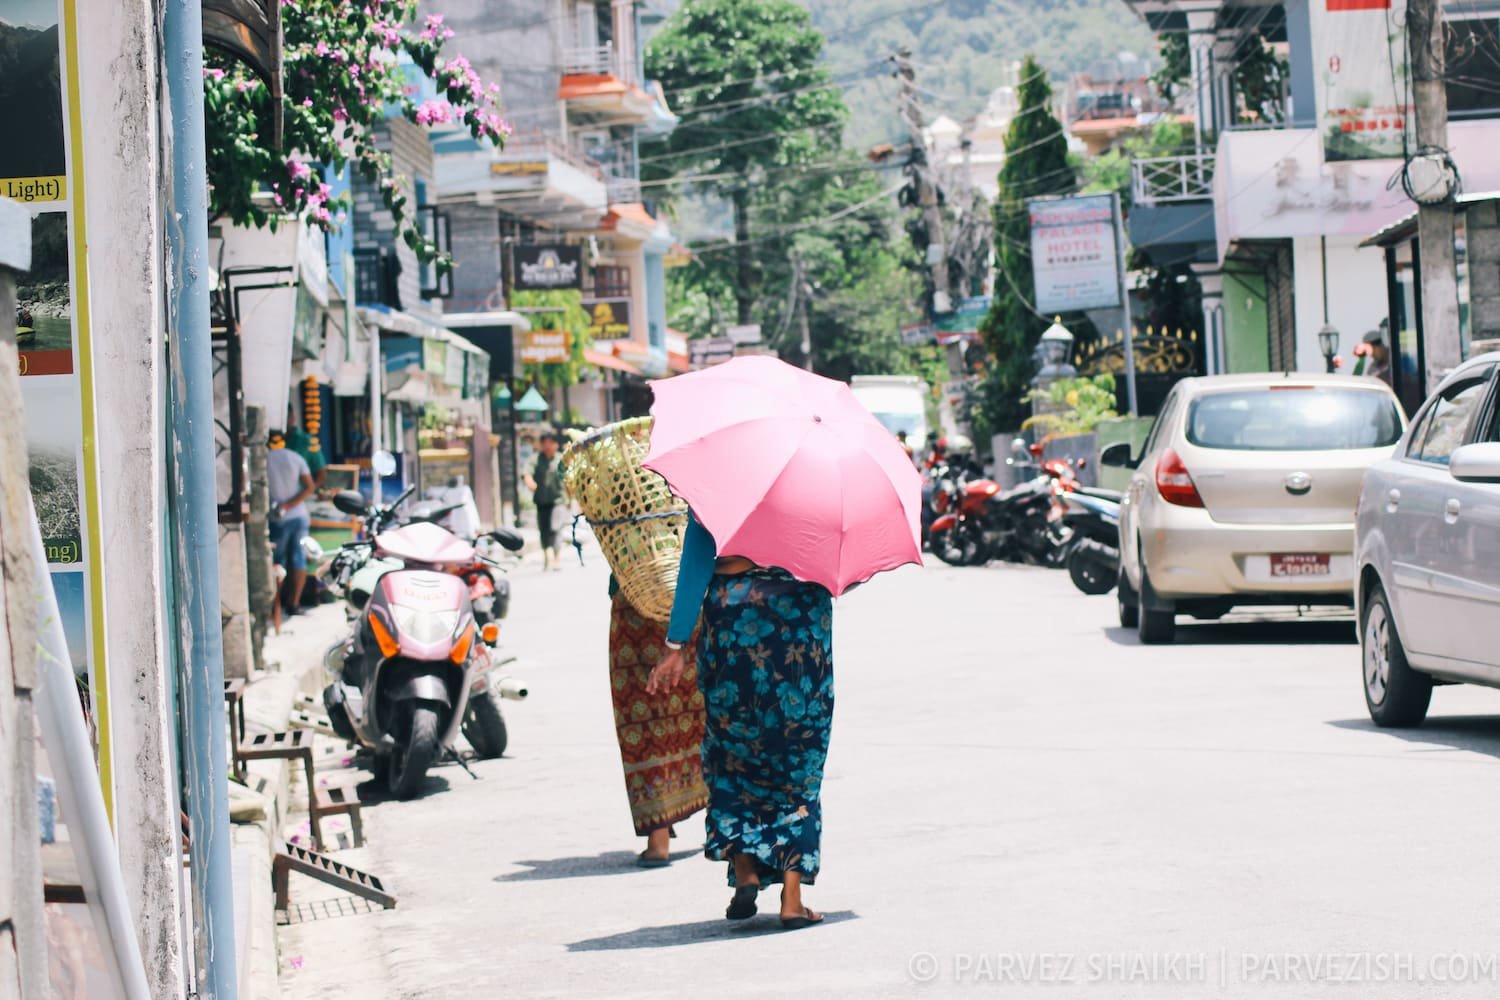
(1301, 564)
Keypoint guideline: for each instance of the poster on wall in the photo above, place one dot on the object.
(1359, 57)
(1074, 258)
(39, 167)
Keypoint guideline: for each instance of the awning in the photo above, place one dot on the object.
(601, 360)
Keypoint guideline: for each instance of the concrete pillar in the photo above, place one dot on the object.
(123, 178)
(1200, 55)
(1211, 285)
(260, 571)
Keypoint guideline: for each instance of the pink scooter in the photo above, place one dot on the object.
(417, 662)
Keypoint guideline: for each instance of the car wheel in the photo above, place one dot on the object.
(1127, 602)
(1155, 627)
(1396, 695)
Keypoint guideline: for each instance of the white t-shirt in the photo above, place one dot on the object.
(284, 471)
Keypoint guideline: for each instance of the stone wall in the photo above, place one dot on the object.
(1482, 221)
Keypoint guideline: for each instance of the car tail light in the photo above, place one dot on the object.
(1174, 483)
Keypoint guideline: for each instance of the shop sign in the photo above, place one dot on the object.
(513, 168)
(545, 347)
(1359, 54)
(1073, 254)
(609, 319)
(710, 351)
(546, 268)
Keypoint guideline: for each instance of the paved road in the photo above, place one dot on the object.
(1017, 794)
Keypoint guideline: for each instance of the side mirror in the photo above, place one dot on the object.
(351, 502)
(1476, 463)
(1117, 456)
(383, 463)
(510, 541)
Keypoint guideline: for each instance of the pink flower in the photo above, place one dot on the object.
(321, 48)
(213, 74)
(434, 112)
(299, 170)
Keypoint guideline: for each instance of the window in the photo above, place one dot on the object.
(1472, 69)
(611, 282)
(1294, 418)
(1163, 418)
(1447, 425)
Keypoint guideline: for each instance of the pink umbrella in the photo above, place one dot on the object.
(788, 469)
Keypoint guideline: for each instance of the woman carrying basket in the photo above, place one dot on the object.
(797, 494)
(660, 733)
(638, 523)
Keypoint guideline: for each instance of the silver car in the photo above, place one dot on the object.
(1244, 494)
(1428, 550)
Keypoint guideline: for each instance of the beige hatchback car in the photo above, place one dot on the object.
(1245, 493)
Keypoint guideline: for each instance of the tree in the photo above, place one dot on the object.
(1036, 164)
(557, 310)
(347, 62)
(744, 77)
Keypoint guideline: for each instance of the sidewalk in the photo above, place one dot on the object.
(259, 808)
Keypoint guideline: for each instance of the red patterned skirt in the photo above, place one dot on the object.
(660, 735)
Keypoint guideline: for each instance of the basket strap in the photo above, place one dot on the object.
(657, 516)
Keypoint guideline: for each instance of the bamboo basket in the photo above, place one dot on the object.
(633, 514)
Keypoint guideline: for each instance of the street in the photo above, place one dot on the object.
(1018, 796)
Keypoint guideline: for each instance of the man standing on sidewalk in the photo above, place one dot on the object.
(290, 484)
(546, 485)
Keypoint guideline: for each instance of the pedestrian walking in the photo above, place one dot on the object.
(796, 494)
(290, 483)
(546, 485)
(765, 670)
(660, 731)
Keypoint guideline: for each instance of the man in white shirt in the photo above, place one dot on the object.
(290, 483)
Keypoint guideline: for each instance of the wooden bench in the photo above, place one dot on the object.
(292, 858)
(234, 701)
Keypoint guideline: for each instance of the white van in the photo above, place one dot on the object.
(898, 401)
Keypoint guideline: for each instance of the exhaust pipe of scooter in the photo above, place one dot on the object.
(513, 688)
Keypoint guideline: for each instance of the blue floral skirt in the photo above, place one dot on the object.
(765, 665)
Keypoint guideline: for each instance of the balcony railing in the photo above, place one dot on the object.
(1180, 177)
(592, 59)
(623, 190)
(523, 145)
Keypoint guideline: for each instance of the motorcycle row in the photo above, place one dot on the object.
(1048, 519)
(420, 662)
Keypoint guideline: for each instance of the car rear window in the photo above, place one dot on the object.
(1294, 419)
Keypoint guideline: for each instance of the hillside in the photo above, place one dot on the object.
(962, 49)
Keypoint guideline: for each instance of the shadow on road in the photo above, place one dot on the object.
(608, 863)
(1476, 733)
(672, 935)
(373, 791)
(1278, 630)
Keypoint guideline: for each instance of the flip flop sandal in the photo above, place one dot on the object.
(808, 918)
(642, 860)
(742, 906)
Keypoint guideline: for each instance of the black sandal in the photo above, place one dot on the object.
(808, 918)
(742, 906)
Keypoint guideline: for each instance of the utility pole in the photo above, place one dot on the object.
(1439, 269)
(803, 293)
(921, 171)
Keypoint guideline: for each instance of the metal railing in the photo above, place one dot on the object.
(591, 59)
(526, 145)
(623, 190)
(1179, 177)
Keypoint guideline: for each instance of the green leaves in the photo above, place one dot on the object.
(345, 73)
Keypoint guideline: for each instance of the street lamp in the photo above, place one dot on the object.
(1056, 345)
(1328, 343)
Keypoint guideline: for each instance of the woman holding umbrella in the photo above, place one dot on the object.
(797, 494)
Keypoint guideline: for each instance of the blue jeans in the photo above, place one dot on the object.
(286, 542)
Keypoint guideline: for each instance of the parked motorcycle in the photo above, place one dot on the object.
(1022, 524)
(1094, 553)
(417, 666)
